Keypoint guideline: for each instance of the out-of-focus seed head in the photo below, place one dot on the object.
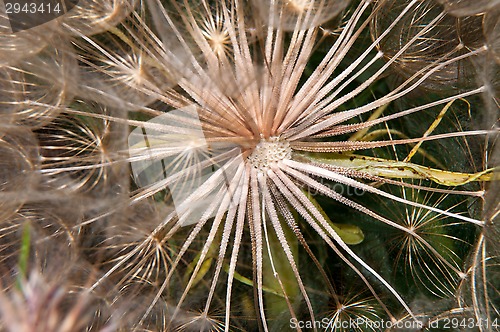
(298, 14)
(90, 17)
(447, 39)
(461, 8)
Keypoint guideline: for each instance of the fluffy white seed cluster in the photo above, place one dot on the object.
(269, 151)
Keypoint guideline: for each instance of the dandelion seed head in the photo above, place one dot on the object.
(268, 152)
(215, 97)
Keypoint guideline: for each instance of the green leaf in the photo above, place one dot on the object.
(244, 280)
(205, 266)
(276, 306)
(24, 254)
(350, 234)
(398, 169)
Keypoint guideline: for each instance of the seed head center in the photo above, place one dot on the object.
(268, 152)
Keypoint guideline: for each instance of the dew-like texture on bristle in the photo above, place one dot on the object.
(198, 165)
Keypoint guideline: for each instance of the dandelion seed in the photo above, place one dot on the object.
(50, 247)
(65, 141)
(354, 308)
(428, 252)
(18, 162)
(46, 79)
(448, 39)
(16, 46)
